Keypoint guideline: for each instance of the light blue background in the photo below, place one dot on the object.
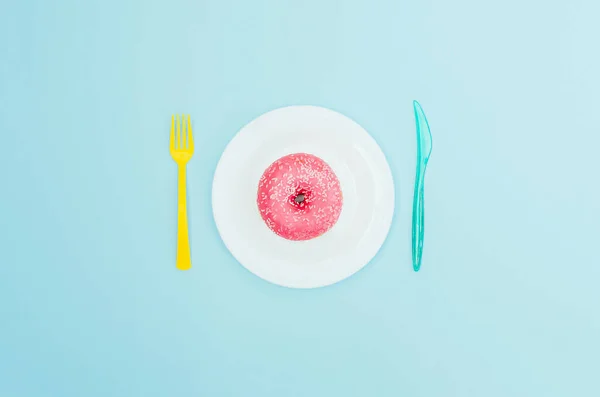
(506, 303)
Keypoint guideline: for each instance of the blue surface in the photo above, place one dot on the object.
(506, 303)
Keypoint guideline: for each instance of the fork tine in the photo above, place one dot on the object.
(172, 137)
(178, 133)
(190, 135)
(184, 132)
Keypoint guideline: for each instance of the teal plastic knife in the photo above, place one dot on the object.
(424, 144)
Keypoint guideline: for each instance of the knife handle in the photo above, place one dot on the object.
(418, 220)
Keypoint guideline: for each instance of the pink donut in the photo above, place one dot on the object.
(299, 197)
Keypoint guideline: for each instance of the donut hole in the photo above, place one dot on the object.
(300, 199)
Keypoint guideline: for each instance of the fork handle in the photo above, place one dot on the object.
(184, 260)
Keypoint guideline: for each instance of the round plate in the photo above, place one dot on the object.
(365, 179)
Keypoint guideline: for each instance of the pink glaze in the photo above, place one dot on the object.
(299, 197)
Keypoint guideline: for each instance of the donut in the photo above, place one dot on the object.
(299, 197)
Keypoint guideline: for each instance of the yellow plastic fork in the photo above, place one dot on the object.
(182, 149)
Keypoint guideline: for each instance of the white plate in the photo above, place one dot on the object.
(365, 179)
